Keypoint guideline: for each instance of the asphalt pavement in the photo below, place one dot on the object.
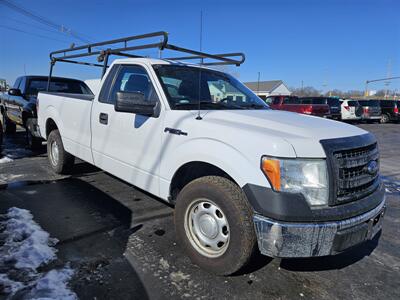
(121, 243)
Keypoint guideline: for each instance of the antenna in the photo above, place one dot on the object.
(201, 63)
(258, 83)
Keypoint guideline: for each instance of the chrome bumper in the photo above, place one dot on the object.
(282, 239)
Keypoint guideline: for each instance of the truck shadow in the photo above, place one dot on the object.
(15, 146)
(335, 262)
(93, 230)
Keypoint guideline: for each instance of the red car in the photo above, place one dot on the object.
(293, 103)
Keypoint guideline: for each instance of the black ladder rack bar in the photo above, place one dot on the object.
(120, 40)
(66, 55)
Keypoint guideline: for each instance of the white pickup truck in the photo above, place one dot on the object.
(239, 174)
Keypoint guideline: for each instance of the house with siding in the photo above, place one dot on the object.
(263, 89)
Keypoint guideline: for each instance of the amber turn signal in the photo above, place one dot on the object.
(271, 169)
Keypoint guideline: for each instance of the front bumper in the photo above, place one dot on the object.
(290, 239)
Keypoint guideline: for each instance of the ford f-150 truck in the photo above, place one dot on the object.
(240, 175)
(18, 105)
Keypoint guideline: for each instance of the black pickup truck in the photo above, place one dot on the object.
(18, 105)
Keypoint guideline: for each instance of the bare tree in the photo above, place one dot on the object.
(305, 91)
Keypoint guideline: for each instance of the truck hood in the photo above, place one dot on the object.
(303, 132)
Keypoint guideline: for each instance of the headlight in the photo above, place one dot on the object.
(306, 176)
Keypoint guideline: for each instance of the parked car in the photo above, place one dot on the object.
(18, 105)
(294, 104)
(332, 102)
(390, 110)
(371, 110)
(351, 110)
(236, 173)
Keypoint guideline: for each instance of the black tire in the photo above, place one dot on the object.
(65, 161)
(384, 119)
(233, 203)
(8, 126)
(33, 142)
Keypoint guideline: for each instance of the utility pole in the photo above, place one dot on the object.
(389, 74)
(258, 83)
(201, 33)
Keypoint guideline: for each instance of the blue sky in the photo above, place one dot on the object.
(338, 43)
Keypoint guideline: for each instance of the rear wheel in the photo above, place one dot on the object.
(60, 160)
(384, 118)
(213, 222)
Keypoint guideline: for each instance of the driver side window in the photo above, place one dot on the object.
(133, 79)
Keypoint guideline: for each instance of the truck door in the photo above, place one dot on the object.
(127, 145)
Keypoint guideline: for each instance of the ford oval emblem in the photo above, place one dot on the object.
(372, 167)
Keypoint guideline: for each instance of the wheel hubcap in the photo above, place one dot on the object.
(54, 154)
(207, 228)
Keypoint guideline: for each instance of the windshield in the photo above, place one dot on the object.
(57, 85)
(185, 86)
(333, 102)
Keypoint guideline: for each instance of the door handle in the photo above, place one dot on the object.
(103, 118)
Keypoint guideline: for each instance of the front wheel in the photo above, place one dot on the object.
(33, 142)
(213, 222)
(8, 126)
(1, 135)
(60, 160)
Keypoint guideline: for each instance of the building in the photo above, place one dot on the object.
(263, 89)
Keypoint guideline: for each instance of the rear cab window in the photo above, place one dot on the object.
(58, 85)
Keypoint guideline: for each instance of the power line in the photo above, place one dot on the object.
(33, 34)
(33, 25)
(45, 21)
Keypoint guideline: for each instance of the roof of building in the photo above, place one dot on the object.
(263, 86)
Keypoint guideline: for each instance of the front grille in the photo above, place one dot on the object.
(348, 160)
(353, 179)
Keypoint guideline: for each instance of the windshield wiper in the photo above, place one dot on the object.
(255, 106)
(217, 105)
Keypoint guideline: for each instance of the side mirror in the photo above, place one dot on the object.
(134, 102)
(14, 92)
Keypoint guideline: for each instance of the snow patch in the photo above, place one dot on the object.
(25, 247)
(26, 242)
(53, 285)
(5, 159)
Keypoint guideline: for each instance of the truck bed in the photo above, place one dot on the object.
(72, 112)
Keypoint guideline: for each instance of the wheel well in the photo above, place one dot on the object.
(50, 126)
(191, 171)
